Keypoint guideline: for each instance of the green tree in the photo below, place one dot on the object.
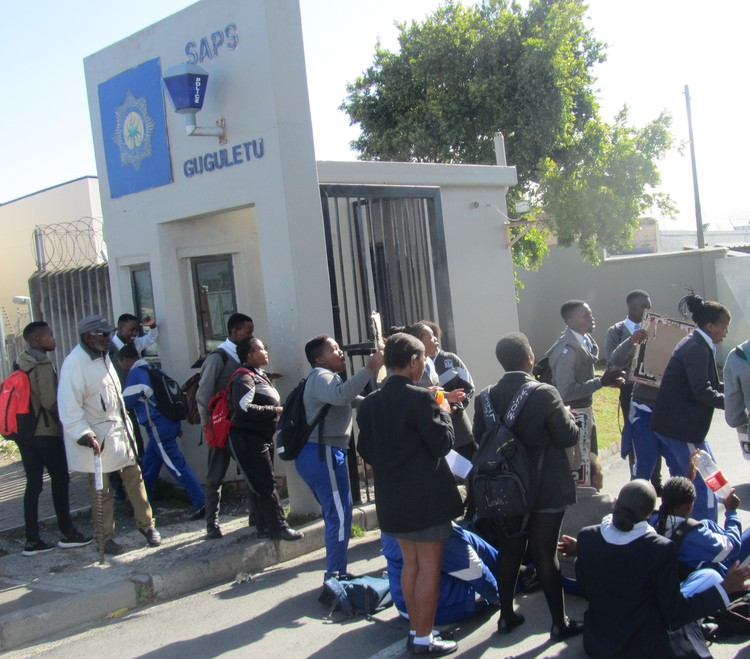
(465, 73)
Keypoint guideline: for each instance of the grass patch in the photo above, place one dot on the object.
(357, 531)
(296, 520)
(606, 410)
(8, 449)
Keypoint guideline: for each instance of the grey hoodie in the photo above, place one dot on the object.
(737, 388)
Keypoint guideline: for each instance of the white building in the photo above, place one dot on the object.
(256, 226)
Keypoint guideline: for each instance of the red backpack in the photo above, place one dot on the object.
(220, 414)
(17, 420)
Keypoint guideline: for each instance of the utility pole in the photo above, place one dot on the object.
(698, 214)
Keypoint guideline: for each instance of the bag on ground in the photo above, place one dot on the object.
(293, 430)
(358, 595)
(170, 400)
(504, 480)
(220, 414)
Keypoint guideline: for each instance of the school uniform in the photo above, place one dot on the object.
(690, 391)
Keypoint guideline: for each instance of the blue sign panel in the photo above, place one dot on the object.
(134, 130)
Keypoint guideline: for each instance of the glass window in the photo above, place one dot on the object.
(143, 301)
(213, 282)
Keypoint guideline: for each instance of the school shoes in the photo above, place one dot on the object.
(74, 539)
(437, 648)
(153, 538)
(213, 532)
(436, 636)
(570, 629)
(507, 624)
(288, 534)
(35, 547)
(112, 548)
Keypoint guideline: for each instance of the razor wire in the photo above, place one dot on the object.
(68, 245)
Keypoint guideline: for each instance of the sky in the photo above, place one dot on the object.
(655, 48)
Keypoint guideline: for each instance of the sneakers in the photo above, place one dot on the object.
(74, 539)
(213, 532)
(198, 514)
(36, 547)
(437, 648)
(152, 536)
(112, 548)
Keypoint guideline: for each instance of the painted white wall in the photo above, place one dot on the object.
(67, 202)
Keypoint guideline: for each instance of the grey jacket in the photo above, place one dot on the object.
(737, 388)
(324, 386)
(573, 369)
(215, 373)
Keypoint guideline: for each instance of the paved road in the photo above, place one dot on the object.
(277, 615)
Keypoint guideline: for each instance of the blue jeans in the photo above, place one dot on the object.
(153, 460)
(329, 481)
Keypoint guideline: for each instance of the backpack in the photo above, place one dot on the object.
(170, 400)
(542, 371)
(504, 481)
(220, 414)
(17, 419)
(735, 619)
(293, 431)
(190, 391)
(357, 595)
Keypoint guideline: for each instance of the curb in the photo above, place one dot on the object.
(220, 566)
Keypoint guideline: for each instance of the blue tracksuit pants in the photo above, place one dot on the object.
(153, 460)
(329, 481)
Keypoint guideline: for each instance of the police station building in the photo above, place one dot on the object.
(227, 210)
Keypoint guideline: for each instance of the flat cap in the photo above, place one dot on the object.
(94, 323)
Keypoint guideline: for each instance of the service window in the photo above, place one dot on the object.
(215, 301)
(143, 301)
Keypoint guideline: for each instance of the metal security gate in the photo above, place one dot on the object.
(386, 252)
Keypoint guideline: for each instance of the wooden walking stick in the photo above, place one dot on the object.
(99, 507)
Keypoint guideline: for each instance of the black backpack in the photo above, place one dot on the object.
(170, 400)
(504, 478)
(293, 430)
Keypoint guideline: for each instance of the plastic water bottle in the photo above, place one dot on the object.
(712, 475)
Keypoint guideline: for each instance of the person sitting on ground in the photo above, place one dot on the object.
(467, 582)
(453, 376)
(544, 426)
(701, 543)
(405, 435)
(162, 448)
(256, 408)
(629, 575)
(45, 449)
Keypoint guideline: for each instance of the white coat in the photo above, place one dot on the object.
(89, 401)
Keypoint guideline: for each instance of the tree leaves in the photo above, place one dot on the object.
(465, 73)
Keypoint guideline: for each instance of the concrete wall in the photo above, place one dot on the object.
(565, 276)
(479, 263)
(733, 287)
(63, 203)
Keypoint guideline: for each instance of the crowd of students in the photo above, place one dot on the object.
(405, 433)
